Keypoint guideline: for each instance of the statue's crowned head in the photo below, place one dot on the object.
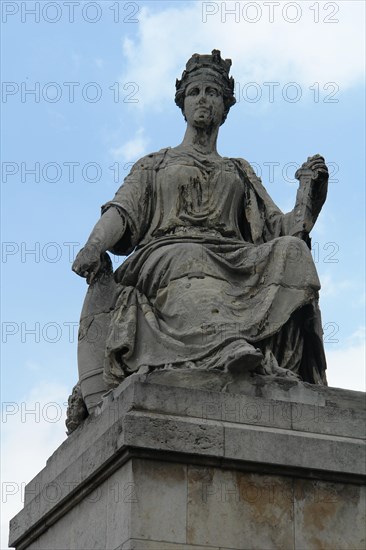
(207, 67)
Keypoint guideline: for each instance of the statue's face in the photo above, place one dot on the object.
(204, 104)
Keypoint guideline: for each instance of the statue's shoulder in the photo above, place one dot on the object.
(248, 174)
(150, 161)
(255, 182)
(246, 167)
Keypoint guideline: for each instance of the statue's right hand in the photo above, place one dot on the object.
(88, 263)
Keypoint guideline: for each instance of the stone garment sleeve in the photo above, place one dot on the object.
(108, 230)
(309, 201)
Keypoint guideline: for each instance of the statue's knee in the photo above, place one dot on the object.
(294, 248)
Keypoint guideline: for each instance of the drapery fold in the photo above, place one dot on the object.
(214, 264)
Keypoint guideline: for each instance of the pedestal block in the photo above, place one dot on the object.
(194, 460)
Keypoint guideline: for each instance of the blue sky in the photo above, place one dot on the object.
(105, 97)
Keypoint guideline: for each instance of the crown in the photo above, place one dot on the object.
(219, 68)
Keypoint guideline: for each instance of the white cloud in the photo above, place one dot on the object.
(360, 300)
(32, 429)
(331, 287)
(132, 149)
(346, 366)
(322, 229)
(359, 335)
(304, 52)
(32, 366)
(99, 62)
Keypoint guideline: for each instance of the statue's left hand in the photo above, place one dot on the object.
(313, 177)
(316, 164)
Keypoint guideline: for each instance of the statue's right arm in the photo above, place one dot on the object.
(124, 220)
(106, 233)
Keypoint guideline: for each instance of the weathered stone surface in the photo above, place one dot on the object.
(169, 433)
(119, 492)
(76, 410)
(295, 449)
(139, 544)
(157, 505)
(253, 508)
(159, 510)
(218, 277)
(162, 463)
(332, 419)
(329, 515)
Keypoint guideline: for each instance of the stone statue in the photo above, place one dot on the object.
(217, 277)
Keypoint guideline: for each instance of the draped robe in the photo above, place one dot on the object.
(212, 263)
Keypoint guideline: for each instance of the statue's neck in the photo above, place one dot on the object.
(202, 140)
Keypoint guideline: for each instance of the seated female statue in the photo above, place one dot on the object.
(216, 277)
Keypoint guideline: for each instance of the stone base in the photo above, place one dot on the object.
(225, 463)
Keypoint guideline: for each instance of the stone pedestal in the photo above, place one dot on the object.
(194, 460)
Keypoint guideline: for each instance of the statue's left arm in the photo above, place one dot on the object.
(265, 221)
(313, 185)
